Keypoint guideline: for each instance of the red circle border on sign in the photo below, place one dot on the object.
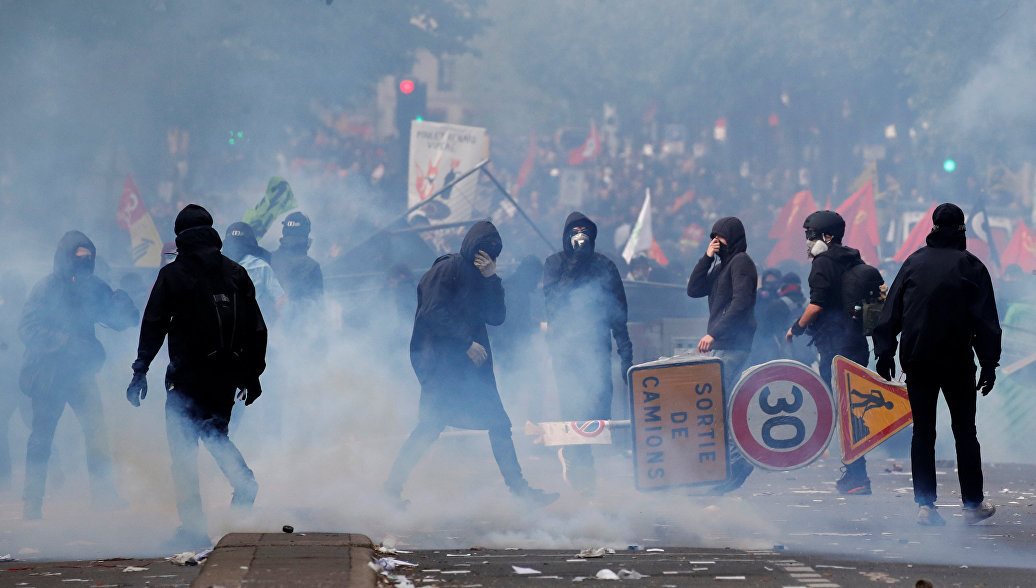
(798, 374)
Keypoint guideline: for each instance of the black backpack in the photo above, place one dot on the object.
(862, 295)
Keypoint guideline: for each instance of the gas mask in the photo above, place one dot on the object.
(815, 247)
(580, 243)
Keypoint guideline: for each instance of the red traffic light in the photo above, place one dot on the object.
(406, 86)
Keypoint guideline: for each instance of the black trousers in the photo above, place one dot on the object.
(427, 431)
(82, 395)
(958, 387)
(856, 349)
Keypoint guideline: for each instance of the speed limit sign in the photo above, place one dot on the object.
(781, 415)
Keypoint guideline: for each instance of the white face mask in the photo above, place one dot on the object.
(579, 240)
(816, 247)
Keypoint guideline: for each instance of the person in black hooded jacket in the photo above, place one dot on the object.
(450, 352)
(834, 331)
(586, 309)
(62, 356)
(731, 288)
(205, 304)
(942, 302)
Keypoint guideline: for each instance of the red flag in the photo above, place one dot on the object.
(916, 239)
(1021, 249)
(590, 148)
(861, 223)
(526, 169)
(133, 216)
(787, 229)
(789, 219)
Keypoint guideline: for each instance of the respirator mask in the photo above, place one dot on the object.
(580, 242)
(815, 244)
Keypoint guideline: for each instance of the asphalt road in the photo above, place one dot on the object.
(778, 525)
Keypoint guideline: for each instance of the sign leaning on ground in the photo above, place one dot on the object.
(781, 415)
(870, 409)
(676, 411)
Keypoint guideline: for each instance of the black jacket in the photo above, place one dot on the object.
(454, 305)
(298, 273)
(730, 287)
(942, 302)
(585, 298)
(206, 304)
(59, 317)
(833, 326)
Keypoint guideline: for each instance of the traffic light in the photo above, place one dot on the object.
(236, 138)
(949, 165)
(411, 104)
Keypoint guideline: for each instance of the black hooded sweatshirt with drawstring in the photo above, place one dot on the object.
(206, 304)
(942, 301)
(730, 287)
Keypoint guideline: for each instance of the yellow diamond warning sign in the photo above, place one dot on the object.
(870, 408)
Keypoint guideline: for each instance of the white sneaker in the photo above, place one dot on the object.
(928, 516)
(977, 514)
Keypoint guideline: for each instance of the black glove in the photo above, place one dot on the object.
(137, 389)
(886, 367)
(797, 329)
(986, 378)
(626, 365)
(252, 391)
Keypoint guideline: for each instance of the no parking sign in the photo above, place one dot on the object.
(781, 415)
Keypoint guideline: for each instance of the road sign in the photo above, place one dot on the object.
(870, 408)
(679, 433)
(781, 415)
(574, 432)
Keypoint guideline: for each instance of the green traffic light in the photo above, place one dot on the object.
(419, 118)
(949, 166)
(240, 134)
(231, 141)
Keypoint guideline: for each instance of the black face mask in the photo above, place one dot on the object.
(82, 266)
(723, 250)
(235, 249)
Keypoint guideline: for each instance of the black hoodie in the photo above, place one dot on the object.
(59, 318)
(584, 295)
(205, 352)
(454, 305)
(942, 301)
(730, 286)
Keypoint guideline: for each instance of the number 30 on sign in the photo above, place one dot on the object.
(781, 415)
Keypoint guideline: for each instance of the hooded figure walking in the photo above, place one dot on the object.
(942, 302)
(206, 304)
(449, 350)
(62, 357)
(727, 275)
(586, 309)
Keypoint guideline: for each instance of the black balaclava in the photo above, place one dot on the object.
(67, 264)
(948, 228)
(295, 232)
(240, 241)
(731, 229)
(481, 236)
